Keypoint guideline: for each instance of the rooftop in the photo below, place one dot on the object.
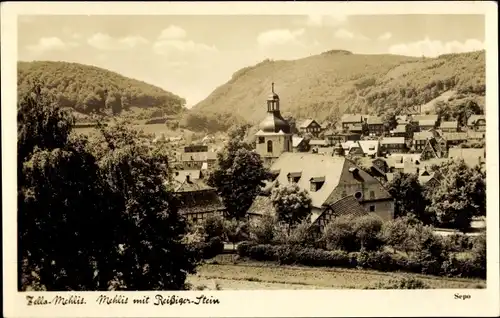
(392, 140)
(351, 118)
(449, 124)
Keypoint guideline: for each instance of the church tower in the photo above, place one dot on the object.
(274, 136)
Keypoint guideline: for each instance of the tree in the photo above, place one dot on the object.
(150, 230)
(263, 231)
(106, 218)
(395, 233)
(390, 121)
(213, 226)
(292, 204)
(460, 195)
(408, 196)
(235, 230)
(113, 103)
(238, 176)
(60, 199)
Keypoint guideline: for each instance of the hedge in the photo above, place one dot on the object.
(379, 260)
(212, 248)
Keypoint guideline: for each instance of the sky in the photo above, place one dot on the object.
(192, 55)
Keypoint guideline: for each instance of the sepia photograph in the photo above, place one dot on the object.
(251, 152)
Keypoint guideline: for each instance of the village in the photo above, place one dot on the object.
(343, 166)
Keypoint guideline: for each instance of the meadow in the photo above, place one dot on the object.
(247, 275)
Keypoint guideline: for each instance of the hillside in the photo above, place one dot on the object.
(89, 89)
(328, 85)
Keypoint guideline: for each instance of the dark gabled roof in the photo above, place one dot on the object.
(262, 204)
(192, 202)
(348, 206)
(192, 186)
(294, 174)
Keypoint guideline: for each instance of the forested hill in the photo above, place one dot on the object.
(328, 85)
(89, 89)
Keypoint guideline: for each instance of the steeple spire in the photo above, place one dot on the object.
(272, 87)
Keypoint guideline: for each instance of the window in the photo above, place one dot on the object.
(269, 146)
(261, 140)
(372, 194)
(372, 208)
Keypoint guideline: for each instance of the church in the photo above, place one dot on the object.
(274, 136)
(331, 180)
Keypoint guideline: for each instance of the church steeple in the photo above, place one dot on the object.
(273, 101)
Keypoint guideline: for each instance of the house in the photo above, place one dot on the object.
(195, 148)
(381, 164)
(432, 150)
(453, 139)
(375, 125)
(393, 144)
(335, 137)
(331, 178)
(401, 130)
(299, 144)
(355, 150)
(181, 175)
(472, 156)
(420, 140)
(477, 123)
(261, 205)
(196, 200)
(198, 160)
(311, 126)
(348, 205)
(325, 151)
(428, 178)
(370, 148)
(349, 121)
(318, 143)
(425, 122)
(449, 126)
(473, 135)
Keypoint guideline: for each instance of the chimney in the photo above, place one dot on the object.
(188, 179)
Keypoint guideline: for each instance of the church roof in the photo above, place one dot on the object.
(274, 123)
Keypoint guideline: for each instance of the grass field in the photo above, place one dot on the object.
(256, 275)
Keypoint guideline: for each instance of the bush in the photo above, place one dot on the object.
(457, 243)
(395, 233)
(263, 231)
(403, 283)
(368, 229)
(213, 226)
(243, 248)
(210, 249)
(340, 234)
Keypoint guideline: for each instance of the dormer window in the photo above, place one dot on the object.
(316, 183)
(294, 177)
(274, 174)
